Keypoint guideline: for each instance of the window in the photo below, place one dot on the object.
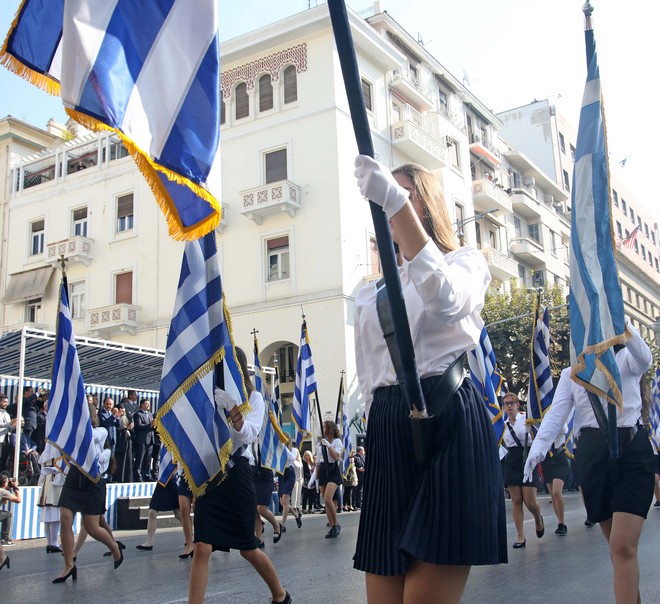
(278, 258)
(442, 100)
(562, 143)
(222, 110)
(78, 298)
(619, 230)
(632, 215)
(553, 243)
(624, 207)
(653, 237)
(572, 153)
(522, 274)
(286, 363)
(477, 228)
(639, 221)
(124, 288)
(37, 235)
(646, 229)
(657, 267)
(517, 226)
(567, 182)
(374, 258)
(242, 101)
(276, 165)
(265, 93)
(366, 93)
(33, 314)
(459, 213)
(636, 246)
(643, 252)
(615, 197)
(125, 213)
(534, 232)
(290, 84)
(538, 279)
(454, 153)
(80, 222)
(492, 239)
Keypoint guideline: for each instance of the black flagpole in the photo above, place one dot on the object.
(341, 389)
(349, 67)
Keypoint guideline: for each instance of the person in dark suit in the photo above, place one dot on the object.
(144, 441)
(30, 410)
(359, 468)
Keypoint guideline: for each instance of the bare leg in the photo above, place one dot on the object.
(330, 509)
(529, 497)
(80, 540)
(199, 573)
(284, 502)
(186, 523)
(93, 528)
(555, 489)
(263, 565)
(66, 537)
(517, 511)
(152, 525)
(265, 512)
(434, 582)
(384, 590)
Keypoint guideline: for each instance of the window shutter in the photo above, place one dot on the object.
(265, 93)
(290, 84)
(242, 101)
(124, 288)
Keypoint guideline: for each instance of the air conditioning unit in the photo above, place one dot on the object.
(549, 199)
(529, 181)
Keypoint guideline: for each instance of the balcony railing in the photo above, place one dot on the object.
(419, 138)
(117, 318)
(411, 89)
(500, 265)
(529, 250)
(485, 149)
(273, 198)
(75, 249)
(488, 195)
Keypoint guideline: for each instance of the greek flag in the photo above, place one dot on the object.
(595, 304)
(569, 445)
(654, 414)
(194, 431)
(541, 389)
(68, 426)
(345, 431)
(148, 71)
(272, 441)
(305, 386)
(277, 401)
(166, 466)
(488, 380)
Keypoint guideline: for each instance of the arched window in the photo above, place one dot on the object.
(265, 93)
(290, 85)
(242, 101)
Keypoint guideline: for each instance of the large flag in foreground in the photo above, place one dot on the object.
(148, 71)
(345, 430)
(68, 426)
(541, 389)
(194, 431)
(596, 303)
(272, 440)
(304, 388)
(654, 413)
(488, 380)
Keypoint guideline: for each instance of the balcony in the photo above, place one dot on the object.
(525, 205)
(485, 150)
(411, 89)
(419, 138)
(501, 266)
(487, 195)
(117, 318)
(528, 250)
(224, 221)
(273, 198)
(75, 249)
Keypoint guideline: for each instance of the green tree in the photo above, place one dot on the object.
(511, 316)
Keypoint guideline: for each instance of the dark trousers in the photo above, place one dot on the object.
(308, 498)
(142, 461)
(357, 494)
(5, 520)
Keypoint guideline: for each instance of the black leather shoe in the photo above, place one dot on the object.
(144, 548)
(519, 544)
(540, 533)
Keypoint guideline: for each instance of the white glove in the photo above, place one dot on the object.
(324, 442)
(223, 400)
(377, 184)
(533, 459)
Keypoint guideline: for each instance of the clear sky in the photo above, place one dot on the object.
(511, 51)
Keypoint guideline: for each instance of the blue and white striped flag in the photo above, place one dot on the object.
(277, 399)
(304, 388)
(569, 444)
(68, 426)
(166, 466)
(541, 389)
(191, 427)
(654, 413)
(272, 441)
(345, 431)
(148, 71)
(488, 380)
(596, 304)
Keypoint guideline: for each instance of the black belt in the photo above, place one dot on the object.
(444, 390)
(625, 435)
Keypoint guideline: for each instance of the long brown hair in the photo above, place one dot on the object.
(242, 361)
(435, 221)
(331, 428)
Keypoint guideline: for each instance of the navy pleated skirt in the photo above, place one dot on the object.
(450, 512)
(165, 498)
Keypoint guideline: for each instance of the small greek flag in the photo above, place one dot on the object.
(277, 400)
(191, 427)
(488, 380)
(148, 71)
(595, 304)
(304, 388)
(654, 414)
(68, 426)
(541, 389)
(569, 444)
(345, 431)
(166, 466)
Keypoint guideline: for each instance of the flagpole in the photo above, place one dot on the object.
(341, 387)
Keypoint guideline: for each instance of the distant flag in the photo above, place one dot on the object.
(569, 444)
(488, 380)
(541, 389)
(272, 440)
(654, 414)
(68, 425)
(148, 71)
(277, 400)
(304, 388)
(596, 303)
(629, 241)
(166, 466)
(345, 430)
(199, 355)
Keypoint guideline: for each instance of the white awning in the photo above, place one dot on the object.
(28, 285)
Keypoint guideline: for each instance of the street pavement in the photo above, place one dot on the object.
(553, 570)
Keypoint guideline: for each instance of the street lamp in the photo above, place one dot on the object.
(461, 223)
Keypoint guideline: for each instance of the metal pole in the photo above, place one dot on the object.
(19, 404)
(527, 314)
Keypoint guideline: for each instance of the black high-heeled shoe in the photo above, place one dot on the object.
(5, 563)
(188, 555)
(117, 563)
(120, 545)
(73, 573)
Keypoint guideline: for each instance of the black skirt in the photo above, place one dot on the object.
(450, 512)
(329, 472)
(225, 514)
(264, 485)
(287, 481)
(183, 488)
(513, 469)
(165, 498)
(555, 467)
(80, 494)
